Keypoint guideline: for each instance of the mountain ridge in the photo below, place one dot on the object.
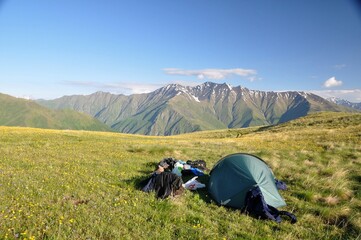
(175, 109)
(345, 103)
(27, 113)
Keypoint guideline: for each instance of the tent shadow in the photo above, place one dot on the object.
(140, 181)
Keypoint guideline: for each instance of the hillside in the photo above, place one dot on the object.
(176, 109)
(62, 184)
(26, 113)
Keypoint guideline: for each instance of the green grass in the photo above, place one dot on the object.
(84, 185)
(27, 113)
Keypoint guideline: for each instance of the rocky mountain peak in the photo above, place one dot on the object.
(345, 103)
(175, 108)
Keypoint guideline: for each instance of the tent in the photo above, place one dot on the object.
(234, 175)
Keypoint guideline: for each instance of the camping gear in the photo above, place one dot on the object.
(149, 183)
(280, 185)
(181, 167)
(234, 175)
(178, 167)
(193, 184)
(200, 164)
(256, 206)
(167, 163)
(164, 184)
(166, 180)
(192, 171)
(186, 166)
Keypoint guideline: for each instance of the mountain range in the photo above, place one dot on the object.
(176, 109)
(27, 113)
(345, 103)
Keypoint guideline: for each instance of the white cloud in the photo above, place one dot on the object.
(332, 82)
(253, 78)
(212, 73)
(184, 83)
(118, 87)
(339, 66)
(352, 95)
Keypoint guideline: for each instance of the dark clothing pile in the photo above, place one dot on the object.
(169, 182)
(164, 184)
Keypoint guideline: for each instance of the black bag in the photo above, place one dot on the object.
(168, 163)
(200, 164)
(164, 185)
(256, 206)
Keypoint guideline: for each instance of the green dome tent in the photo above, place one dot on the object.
(234, 175)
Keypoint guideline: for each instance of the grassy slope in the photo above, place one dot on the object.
(21, 112)
(78, 185)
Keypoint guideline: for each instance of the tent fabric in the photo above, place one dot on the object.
(234, 175)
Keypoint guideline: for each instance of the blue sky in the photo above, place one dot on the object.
(53, 48)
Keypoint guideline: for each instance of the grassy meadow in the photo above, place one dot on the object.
(62, 184)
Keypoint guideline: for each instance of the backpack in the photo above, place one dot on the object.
(200, 164)
(256, 206)
(168, 163)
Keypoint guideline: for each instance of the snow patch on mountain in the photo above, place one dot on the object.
(195, 98)
(345, 103)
